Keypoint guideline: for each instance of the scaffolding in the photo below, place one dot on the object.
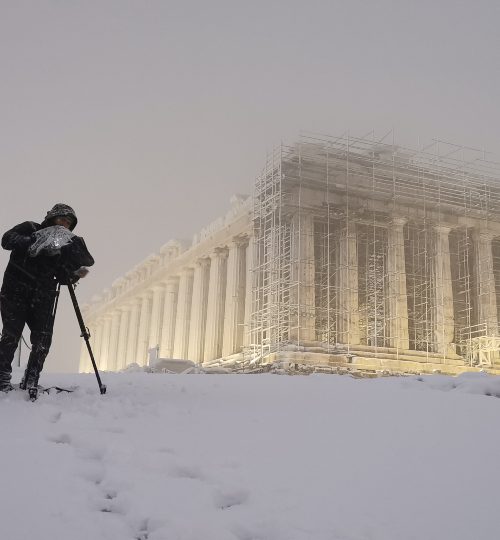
(363, 245)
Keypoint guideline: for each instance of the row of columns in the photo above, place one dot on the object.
(348, 328)
(199, 314)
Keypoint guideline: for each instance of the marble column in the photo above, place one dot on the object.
(121, 352)
(397, 299)
(104, 356)
(486, 289)
(96, 347)
(133, 330)
(143, 333)
(444, 320)
(199, 310)
(113, 339)
(169, 318)
(347, 286)
(249, 259)
(302, 297)
(181, 338)
(156, 315)
(215, 305)
(234, 311)
(487, 301)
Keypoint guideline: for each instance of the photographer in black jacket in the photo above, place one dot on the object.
(43, 255)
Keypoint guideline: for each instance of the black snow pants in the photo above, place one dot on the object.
(32, 304)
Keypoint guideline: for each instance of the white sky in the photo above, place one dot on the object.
(147, 116)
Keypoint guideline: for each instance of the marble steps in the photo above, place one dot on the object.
(423, 358)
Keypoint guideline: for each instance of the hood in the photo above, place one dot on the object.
(59, 210)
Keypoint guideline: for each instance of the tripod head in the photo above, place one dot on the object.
(66, 276)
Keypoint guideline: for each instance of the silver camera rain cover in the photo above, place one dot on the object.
(50, 240)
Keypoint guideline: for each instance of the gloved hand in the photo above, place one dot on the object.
(26, 241)
(81, 272)
(23, 242)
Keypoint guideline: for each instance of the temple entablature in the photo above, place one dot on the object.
(240, 204)
(174, 255)
(171, 250)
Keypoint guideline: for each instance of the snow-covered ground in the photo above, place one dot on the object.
(252, 457)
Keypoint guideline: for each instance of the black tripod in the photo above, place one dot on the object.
(33, 389)
(85, 335)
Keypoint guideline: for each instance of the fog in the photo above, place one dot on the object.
(146, 117)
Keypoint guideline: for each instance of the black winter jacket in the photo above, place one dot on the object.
(43, 270)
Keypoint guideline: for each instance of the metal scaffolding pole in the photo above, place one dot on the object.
(360, 243)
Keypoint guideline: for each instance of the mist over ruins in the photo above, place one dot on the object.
(351, 254)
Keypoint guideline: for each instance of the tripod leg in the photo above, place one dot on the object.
(85, 335)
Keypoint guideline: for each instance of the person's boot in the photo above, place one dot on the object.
(29, 380)
(5, 385)
(34, 367)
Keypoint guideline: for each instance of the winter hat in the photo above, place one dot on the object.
(61, 210)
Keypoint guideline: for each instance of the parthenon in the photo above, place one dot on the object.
(351, 253)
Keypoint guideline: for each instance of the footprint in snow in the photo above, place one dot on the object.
(62, 438)
(143, 532)
(110, 506)
(93, 473)
(187, 471)
(55, 417)
(92, 453)
(225, 499)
